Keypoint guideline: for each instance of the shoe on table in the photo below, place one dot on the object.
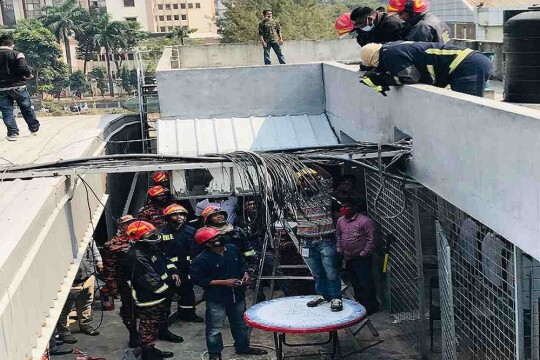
(60, 349)
(316, 301)
(252, 351)
(68, 338)
(12, 137)
(336, 305)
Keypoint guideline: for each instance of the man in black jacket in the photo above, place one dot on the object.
(420, 24)
(152, 278)
(377, 27)
(14, 72)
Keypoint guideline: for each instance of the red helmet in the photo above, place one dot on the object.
(211, 210)
(125, 219)
(415, 6)
(174, 209)
(160, 177)
(344, 24)
(139, 228)
(157, 190)
(205, 234)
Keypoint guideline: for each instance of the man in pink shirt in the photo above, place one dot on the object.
(355, 241)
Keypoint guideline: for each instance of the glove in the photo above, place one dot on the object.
(375, 81)
(366, 68)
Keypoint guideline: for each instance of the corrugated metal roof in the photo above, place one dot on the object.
(193, 137)
(503, 4)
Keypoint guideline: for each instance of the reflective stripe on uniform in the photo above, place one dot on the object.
(188, 258)
(174, 259)
(249, 253)
(163, 288)
(186, 307)
(164, 276)
(171, 266)
(150, 303)
(396, 79)
(431, 71)
(459, 54)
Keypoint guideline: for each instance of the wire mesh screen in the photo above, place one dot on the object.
(483, 282)
(404, 285)
(530, 304)
(444, 252)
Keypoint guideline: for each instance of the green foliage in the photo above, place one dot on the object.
(79, 83)
(99, 75)
(351, 4)
(299, 19)
(39, 46)
(180, 33)
(128, 79)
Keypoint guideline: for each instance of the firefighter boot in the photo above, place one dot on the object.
(166, 335)
(133, 333)
(155, 354)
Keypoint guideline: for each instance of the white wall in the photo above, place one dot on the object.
(119, 12)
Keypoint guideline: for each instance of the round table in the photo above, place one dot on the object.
(291, 315)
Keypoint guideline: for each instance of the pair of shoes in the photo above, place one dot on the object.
(60, 349)
(166, 335)
(90, 332)
(68, 338)
(336, 305)
(12, 137)
(252, 351)
(192, 318)
(154, 353)
(316, 301)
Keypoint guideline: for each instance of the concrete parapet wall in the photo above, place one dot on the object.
(479, 154)
(295, 51)
(241, 91)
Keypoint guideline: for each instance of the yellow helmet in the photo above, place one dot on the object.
(369, 54)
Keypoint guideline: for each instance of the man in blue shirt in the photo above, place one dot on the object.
(223, 274)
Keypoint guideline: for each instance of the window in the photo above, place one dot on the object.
(162, 18)
(182, 6)
(190, 6)
(184, 17)
(198, 5)
(162, 29)
(169, 17)
(129, 3)
(160, 7)
(176, 17)
(175, 6)
(131, 19)
(168, 7)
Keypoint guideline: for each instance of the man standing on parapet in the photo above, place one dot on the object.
(270, 34)
(14, 72)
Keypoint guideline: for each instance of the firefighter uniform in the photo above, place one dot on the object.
(387, 28)
(427, 27)
(150, 279)
(153, 213)
(465, 70)
(176, 245)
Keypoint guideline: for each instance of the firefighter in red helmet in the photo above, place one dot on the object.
(161, 178)
(158, 199)
(152, 278)
(420, 24)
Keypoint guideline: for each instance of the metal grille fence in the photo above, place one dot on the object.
(492, 289)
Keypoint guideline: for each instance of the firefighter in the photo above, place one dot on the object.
(158, 199)
(377, 27)
(116, 279)
(152, 278)
(420, 24)
(465, 70)
(161, 178)
(215, 217)
(177, 238)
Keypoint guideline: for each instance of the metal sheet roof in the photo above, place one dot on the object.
(503, 4)
(193, 137)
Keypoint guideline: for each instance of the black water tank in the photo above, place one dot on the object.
(522, 58)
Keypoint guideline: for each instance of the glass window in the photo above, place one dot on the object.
(162, 18)
(198, 5)
(182, 6)
(184, 17)
(175, 6)
(168, 7)
(169, 17)
(162, 29)
(190, 6)
(160, 7)
(176, 17)
(129, 3)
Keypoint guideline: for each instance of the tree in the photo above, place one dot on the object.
(39, 46)
(180, 33)
(99, 75)
(109, 36)
(86, 47)
(299, 19)
(59, 80)
(128, 79)
(79, 83)
(132, 36)
(63, 20)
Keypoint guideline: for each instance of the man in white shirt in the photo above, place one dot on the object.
(227, 204)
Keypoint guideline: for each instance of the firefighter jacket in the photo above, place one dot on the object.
(388, 28)
(149, 274)
(426, 63)
(116, 250)
(153, 213)
(208, 266)
(236, 236)
(427, 27)
(176, 245)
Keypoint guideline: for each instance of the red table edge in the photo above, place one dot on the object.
(277, 329)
